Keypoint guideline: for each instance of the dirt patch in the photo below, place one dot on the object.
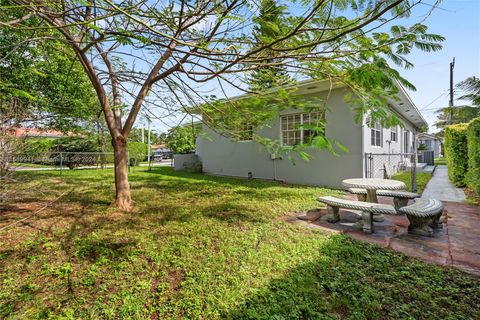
(175, 279)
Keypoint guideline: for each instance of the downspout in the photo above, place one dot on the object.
(362, 136)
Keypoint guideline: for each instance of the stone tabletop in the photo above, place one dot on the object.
(373, 184)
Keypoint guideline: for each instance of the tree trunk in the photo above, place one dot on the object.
(123, 199)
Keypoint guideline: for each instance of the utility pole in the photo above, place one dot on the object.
(143, 132)
(450, 104)
(149, 122)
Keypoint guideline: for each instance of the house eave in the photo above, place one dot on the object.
(407, 108)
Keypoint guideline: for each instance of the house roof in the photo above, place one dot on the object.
(427, 135)
(404, 107)
(36, 132)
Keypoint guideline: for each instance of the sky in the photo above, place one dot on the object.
(459, 22)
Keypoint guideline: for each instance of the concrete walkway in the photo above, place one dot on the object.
(439, 187)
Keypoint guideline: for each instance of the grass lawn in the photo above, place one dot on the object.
(199, 247)
(31, 165)
(422, 180)
(440, 161)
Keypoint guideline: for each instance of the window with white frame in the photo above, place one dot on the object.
(394, 133)
(245, 133)
(300, 127)
(376, 134)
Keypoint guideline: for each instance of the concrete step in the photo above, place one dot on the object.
(419, 166)
(429, 169)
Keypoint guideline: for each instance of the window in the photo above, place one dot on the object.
(299, 128)
(376, 134)
(394, 134)
(406, 141)
(428, 144)
(246, 134)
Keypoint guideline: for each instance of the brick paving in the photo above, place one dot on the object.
(456, 245)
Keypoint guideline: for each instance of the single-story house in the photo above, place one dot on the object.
(222, 156)
(430, 142)
(21, 132)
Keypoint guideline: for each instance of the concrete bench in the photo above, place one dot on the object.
(368, 210)
(424, 216)
(400, 198)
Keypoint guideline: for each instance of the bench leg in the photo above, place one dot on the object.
(372, 196)
(361, 197)
(436, 224)
(420, 225)
(367, 218)
(399, 203)
(333, 215)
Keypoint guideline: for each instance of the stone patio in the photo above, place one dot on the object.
(456, 245)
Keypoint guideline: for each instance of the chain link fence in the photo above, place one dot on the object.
(78, 160)
(383, 165)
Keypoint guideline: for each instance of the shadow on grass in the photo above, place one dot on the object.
(357, 281)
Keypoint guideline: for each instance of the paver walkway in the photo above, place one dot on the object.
(456, 245)
(439, 187)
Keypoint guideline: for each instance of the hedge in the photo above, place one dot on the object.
(456, 153)
(473, 140)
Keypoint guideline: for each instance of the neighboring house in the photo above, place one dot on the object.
(431, 143)
(37, 133)
(222, 156)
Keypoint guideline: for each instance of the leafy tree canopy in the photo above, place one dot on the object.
(181, 139)
(43, 78)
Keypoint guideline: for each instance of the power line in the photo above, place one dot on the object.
(441, 95)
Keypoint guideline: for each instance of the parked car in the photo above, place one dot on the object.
(161, 154)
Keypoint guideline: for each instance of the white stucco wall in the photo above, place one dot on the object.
(221, 156)
(390, 147)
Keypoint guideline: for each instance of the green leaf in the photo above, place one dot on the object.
(22, 94)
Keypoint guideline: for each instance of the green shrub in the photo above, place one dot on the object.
(456, 153)
(473, 140)
(137, 151)
(181, 140)
(33, 147)
(76, 151)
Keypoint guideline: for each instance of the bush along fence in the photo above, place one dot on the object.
(456, 153)
(462, 150)
(472, 177)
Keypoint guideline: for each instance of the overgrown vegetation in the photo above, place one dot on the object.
(200, 247)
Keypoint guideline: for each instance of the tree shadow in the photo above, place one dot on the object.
(218, 180)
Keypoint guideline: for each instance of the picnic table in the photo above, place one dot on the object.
(372, 185)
